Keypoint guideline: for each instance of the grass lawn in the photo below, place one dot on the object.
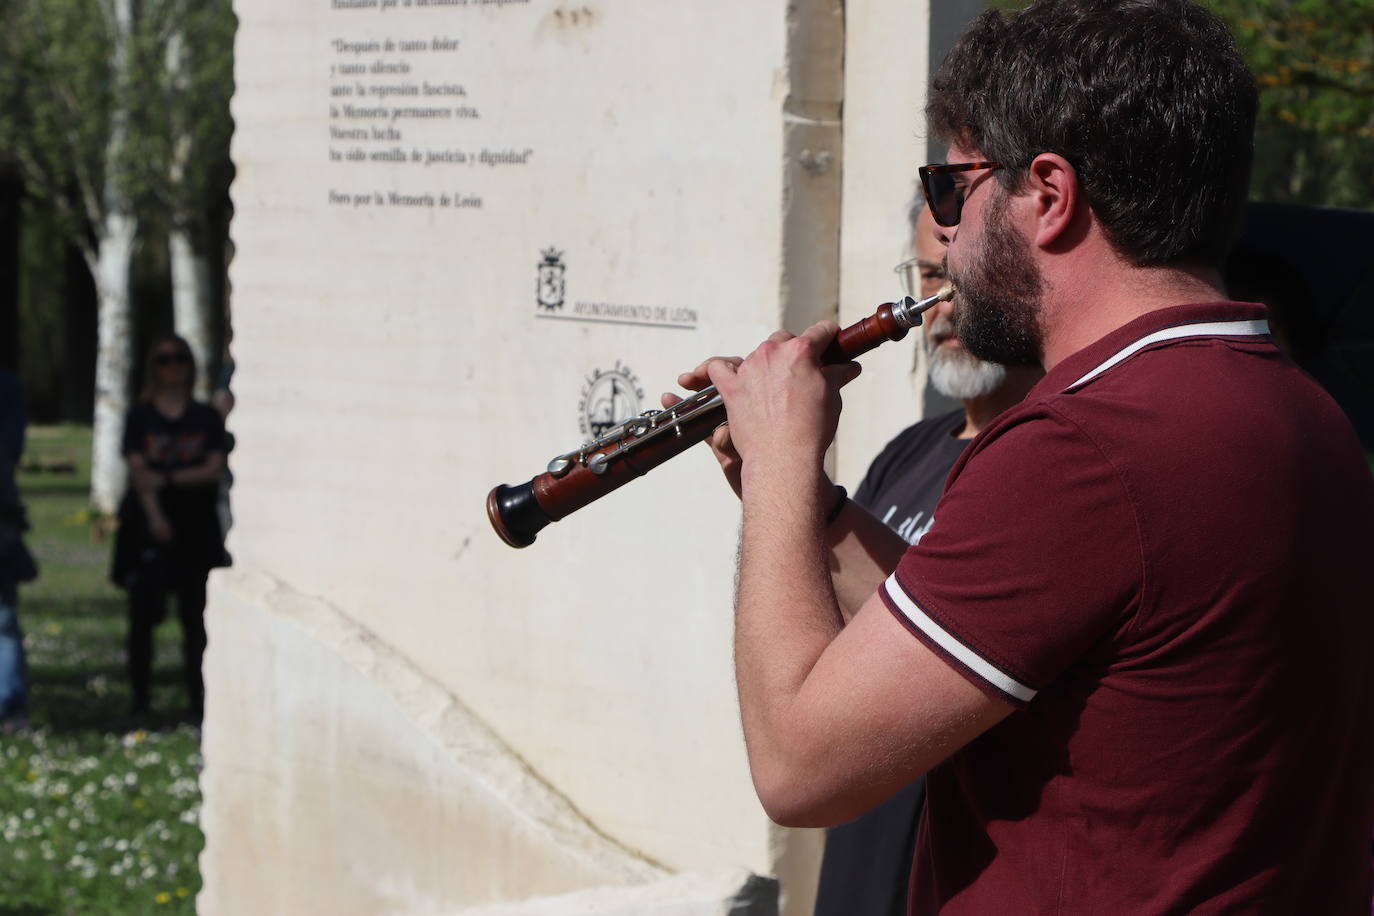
(99, 812)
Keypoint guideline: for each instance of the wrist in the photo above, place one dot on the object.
(841, 499)
(803, 496)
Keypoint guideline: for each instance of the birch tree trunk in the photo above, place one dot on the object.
(192, 308)
(114, 358)
(115, 235)
(191, 303)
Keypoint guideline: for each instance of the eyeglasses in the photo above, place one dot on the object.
(944, 193)
(913, 271)
(171, 359)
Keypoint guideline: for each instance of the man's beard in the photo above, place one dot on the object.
(998, 303)
(957, 373)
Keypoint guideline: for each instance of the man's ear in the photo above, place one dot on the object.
(1056, 195)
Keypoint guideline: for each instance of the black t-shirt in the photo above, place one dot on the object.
(867, 862)
(907, 478)
(171, 444)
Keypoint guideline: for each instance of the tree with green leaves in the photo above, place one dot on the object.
(117, 124)
(186, 62)
(1314, 64)
(73, 144)
(11, 197)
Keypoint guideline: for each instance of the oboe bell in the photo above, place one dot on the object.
(633, 448)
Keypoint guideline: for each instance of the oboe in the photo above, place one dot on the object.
(633, 448)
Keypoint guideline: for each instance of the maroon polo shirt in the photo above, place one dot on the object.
(1168, 567)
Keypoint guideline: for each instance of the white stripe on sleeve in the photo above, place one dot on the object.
(946, 641)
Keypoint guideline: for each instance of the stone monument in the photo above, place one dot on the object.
(469, 235)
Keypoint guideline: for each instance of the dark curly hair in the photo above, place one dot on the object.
(1149, 100)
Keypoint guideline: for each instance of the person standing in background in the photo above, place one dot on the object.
(16, 563)
(169, 530)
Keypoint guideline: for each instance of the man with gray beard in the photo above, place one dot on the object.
(905, 481)
(867, 863)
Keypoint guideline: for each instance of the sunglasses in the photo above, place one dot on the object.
(171, 359)
(944, 193)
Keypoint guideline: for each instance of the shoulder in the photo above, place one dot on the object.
(139, 422)
(1060, 567)
(202, 411)
(910, 444)
(201, 416)
(941, 424)
(919, 435)
(936, 425)
(1013, 427)
(1042, 445)
(140, 412)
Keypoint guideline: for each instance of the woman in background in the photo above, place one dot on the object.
(169, 532)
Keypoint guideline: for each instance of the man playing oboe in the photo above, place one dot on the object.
(867, 860)
(1133, 653)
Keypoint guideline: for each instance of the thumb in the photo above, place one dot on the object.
(841, 374)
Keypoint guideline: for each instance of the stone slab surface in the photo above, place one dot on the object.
(467, 236)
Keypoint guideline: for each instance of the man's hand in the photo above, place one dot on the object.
(159, 528)
(145, 479)
(721, 441)
(782, 403)
(721, 446)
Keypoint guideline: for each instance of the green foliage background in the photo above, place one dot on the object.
(62, 95)
(1314, 65)
(61, 99)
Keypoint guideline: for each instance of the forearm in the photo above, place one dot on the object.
(863, 552)
(207, 472)
(786, 611)
(147, 498)
(144, 482)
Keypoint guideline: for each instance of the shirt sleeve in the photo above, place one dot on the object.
(1034, 557)
(215, 435)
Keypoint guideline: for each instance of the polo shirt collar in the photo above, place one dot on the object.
(1074, 367)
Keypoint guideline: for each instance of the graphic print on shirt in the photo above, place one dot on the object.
(182, 449)
(911, 529)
